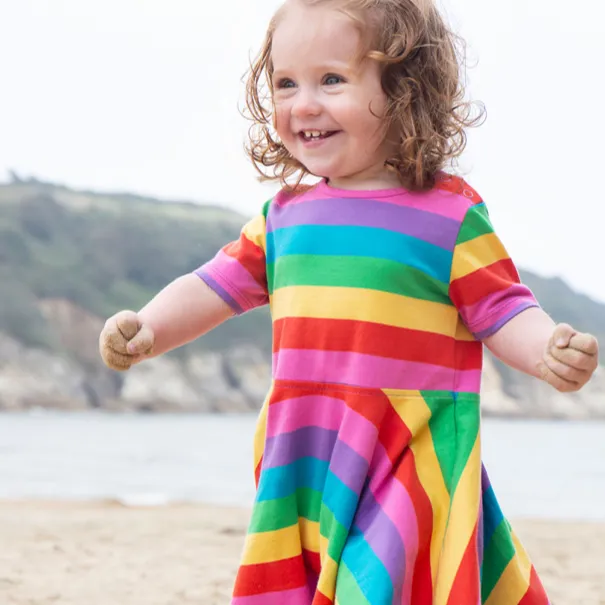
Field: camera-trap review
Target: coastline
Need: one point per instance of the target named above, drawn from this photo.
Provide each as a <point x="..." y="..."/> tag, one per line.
<point x="103" y="552"/>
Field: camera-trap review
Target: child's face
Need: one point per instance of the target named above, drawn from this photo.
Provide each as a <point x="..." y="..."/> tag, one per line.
<point x="321" y="87"/>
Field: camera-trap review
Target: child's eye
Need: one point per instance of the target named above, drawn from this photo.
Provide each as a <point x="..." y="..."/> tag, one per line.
<point x="285" y="83"/>
<point x="332" y="79"/>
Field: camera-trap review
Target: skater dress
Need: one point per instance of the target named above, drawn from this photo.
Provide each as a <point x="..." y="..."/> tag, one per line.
<point x="370" y="484"/>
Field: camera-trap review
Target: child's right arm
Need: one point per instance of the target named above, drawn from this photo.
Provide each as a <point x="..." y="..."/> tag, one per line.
<point x="184" y="310"/>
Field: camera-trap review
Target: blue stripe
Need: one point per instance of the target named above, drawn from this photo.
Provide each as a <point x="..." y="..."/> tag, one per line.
<point x="283" y="481"/>
<point x="492" y="515"/>
<point x="370" y="574"/>
<point x="340" y="499"/>
<point x="360" y="241"/>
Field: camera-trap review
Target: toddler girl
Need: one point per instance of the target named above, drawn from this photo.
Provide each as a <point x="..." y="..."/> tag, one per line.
<point x="384" y="281"/>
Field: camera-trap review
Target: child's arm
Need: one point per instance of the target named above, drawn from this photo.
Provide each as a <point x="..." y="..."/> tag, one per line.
<point x="178" y="314"/>
<point x="532" y="343"/>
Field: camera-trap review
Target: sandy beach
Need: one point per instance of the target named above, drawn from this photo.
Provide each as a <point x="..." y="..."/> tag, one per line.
<point x="106" y="553"/>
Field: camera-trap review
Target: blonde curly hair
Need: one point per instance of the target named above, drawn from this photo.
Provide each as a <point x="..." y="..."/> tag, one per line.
<point x="422" y="61"/>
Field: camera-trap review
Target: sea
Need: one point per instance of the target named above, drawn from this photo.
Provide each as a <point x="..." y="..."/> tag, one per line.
<point x="539" y="469"/>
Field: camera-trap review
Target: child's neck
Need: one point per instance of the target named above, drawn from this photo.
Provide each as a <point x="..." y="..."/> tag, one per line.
<point x="384" y="179"/>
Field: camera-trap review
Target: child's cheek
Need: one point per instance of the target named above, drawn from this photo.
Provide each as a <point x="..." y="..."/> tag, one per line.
<point x="281" y="122"/>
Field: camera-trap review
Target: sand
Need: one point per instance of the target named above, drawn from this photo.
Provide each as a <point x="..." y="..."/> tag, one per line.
<point x="105" y="553"/>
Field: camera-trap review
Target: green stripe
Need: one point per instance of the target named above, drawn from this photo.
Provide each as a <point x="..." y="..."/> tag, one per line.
<point x="466" y="422"/>
<point x="355" y="272"/>
<point x="334" y="532"/>
<point x="454" y="427"/>
<point x="476" y="223"/>
<point x="271" y="515"/>
<point x="497" y="555"/>
<point x="347" y="590"/>
<point x="444" y="442"/>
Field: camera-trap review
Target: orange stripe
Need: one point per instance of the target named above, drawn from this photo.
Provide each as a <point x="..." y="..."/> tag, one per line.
<point x="375" y="339"/>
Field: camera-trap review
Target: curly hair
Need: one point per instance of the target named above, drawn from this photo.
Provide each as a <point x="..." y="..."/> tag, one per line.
<point x="422" y="61"/>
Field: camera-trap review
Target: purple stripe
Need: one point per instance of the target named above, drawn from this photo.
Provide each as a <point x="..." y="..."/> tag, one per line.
<point x="321" y="444"/>
<point x="384" y="540"/>
<point x="349" y="466"/>
<point x="310" y="442"/>
<point x="489" y="330"/>
<point x="371" y="371"/>
<point x="427" y="226"/>
<point x="218" y="289"/>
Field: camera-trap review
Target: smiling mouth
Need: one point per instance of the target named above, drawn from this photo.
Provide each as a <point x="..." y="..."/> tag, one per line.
<point x="316" y="135"/>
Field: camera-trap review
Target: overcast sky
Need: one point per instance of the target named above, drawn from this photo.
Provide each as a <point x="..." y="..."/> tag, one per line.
<point x="143" y="95"/>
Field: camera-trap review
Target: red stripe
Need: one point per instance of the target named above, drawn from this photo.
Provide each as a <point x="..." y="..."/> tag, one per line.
<point x="355" y="398"/>
<point x="251" y="256"/>
<point x="535" y="595"/>
<point x="471" y="288"/>
<point x="454" y="184"/>
<point x="394" y="435"/>
<point x="257" y="470"/>
<point x="270" y="577"/>
<point x="312" y="560"/>
<point x="422" y="585"/>
<point x="320" y="599"/>
<point x="466" y="584"/>
<point x="375" y="339"/>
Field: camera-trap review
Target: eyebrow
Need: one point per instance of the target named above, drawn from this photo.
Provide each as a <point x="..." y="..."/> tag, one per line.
<point x="337" y="67"/>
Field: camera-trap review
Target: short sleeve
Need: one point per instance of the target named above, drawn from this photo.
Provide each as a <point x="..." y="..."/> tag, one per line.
<point x="485" y="286"/>
<point x="237" y="273"/>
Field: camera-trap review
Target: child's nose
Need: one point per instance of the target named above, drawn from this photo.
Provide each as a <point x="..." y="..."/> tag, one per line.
<point x="306" y="104"/>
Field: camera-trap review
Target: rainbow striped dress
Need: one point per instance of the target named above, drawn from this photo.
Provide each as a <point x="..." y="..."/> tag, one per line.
<point x="370" y="484"/>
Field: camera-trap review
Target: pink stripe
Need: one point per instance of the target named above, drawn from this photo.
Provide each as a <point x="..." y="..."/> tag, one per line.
<point x="327" y="413"/>
<point x="236" y="280"/>
<point x="439" y="202"/>
<point x="444" y="203"/>
<point x="397" y="505"/>
<point x="359" y="369"/>
<point x="301" y="412"/>
<point x="492" y="307"/>
<point x="361" y="435"/>
<point x="296" y="596"/>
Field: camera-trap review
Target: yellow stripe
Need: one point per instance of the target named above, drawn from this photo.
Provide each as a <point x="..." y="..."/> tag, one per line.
<point x="462" y="332"/>
<point x="364" y="305"/>
<point x="309" y="534"/>
<point x="270" y="546"/>
<point x="323" y="549"/>
<point x="255" y="231"/>
<point x="464" y="514"/>
<point x="327" y="578"/>
<point x="260" y="432"/>
<point x="476" y="254"/>
<point x="416" y="417"/>
<point x="514" y="581"/>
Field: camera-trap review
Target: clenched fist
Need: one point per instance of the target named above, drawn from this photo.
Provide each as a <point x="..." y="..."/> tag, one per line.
<point x="570" y="359"/>
<point x="125" y="340"/>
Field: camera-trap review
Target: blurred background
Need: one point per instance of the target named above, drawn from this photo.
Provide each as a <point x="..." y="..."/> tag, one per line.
<point x="122" y="166"/>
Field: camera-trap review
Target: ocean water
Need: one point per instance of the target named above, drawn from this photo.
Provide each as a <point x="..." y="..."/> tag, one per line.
<point x="538" y="468"/>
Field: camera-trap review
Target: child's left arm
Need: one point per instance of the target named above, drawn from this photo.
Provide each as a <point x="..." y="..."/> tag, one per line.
<point x="558" y="354"/>
<point x="503" y="313"/>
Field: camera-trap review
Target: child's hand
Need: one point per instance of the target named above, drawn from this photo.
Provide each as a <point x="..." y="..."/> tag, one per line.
<point x="570" y="359"/>
<point x="124" y="340"/>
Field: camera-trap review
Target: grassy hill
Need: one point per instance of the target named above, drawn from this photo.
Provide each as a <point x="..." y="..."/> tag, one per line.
<point x="108" y="252"/>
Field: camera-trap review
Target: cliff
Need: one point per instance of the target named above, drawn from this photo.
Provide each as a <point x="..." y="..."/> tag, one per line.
<point x="70" y="258"/>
